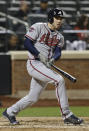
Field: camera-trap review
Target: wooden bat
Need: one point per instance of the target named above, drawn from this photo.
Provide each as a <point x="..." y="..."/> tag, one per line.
<point x="67" y="75"/>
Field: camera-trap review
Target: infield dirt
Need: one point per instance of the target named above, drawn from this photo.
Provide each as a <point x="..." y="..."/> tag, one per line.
<point x="42" y="124"/>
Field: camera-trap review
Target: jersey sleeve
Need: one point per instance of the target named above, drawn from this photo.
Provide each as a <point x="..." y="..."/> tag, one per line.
<point x="33" y="32"/>
<point x="61" y="41"/>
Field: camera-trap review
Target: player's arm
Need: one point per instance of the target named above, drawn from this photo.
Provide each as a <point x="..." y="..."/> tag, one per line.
<point x="56" y="56"/>
<point x="29" y="45"/>
<point x="57" y="53"/>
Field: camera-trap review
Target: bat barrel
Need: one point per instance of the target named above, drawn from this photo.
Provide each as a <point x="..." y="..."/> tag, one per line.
<point x="67" y="75"/>
<point x="73" y="79"/>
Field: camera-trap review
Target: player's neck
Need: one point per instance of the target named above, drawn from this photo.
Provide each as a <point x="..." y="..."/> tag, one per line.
<point x="51" y="27"/>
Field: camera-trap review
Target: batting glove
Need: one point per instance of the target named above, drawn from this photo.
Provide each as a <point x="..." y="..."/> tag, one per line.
<point x="42" y="58"/>
<point x="50" y="62"/>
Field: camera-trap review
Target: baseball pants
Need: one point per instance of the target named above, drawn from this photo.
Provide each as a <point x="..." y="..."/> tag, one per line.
<point x="41" y="76"/>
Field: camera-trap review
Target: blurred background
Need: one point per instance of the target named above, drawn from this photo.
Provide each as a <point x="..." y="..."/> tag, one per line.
<point x="16" y="16"/>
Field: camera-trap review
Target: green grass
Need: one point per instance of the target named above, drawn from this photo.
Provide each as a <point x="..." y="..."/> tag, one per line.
<point x="50" y="111"/>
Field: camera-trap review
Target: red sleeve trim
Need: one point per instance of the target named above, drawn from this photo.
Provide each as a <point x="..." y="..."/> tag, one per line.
<point x="29" y="37"/>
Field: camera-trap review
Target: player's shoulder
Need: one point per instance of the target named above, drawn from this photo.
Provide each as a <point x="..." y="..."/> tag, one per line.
<point x="38" y="24"/>
<point x="60" y="34"/>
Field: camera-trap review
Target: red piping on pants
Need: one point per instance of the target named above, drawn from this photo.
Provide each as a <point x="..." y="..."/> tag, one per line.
<point x="42" y="73"/>
<point x="59" y="102"/>
<point x="51" y="79"/>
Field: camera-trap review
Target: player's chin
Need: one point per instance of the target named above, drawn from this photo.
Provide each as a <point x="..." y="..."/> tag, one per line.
<point x="57" y="27"/>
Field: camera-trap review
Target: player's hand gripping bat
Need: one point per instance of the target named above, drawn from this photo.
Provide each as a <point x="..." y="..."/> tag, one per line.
<point x="67" y="75"/>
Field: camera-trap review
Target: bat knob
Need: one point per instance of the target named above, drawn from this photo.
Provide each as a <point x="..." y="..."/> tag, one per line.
<point x="74" y="80"/>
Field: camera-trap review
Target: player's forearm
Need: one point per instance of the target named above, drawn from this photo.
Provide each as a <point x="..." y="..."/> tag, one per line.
<point x="28" y="44"/>
<point x="57" y="53"/>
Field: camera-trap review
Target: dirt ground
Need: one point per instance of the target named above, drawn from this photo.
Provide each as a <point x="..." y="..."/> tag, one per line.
<point x="42" y="124"/>
<point x="6" y="101"/>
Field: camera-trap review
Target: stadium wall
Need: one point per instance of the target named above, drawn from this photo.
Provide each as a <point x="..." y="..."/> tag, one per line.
<point x="74" y="62"/>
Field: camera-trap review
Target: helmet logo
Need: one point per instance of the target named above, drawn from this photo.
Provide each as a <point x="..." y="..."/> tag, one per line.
<point x="54" y="13"/>
<point x="59" y="13"/>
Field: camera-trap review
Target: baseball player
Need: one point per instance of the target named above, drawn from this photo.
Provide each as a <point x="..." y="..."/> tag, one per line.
<point x="44" y="42"/>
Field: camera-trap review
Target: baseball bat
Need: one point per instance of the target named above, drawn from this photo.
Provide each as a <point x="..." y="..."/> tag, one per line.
<point x="67" y="75"/>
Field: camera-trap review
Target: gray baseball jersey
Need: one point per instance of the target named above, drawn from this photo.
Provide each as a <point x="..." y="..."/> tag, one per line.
<point x="45" y="42"/>
<point x="44" y="39"/>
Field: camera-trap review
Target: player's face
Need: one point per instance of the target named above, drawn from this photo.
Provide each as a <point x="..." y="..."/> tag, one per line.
<point x="57" y="22"/>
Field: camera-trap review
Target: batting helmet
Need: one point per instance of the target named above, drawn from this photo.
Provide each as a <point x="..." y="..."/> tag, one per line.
<point x="54" y="13"/>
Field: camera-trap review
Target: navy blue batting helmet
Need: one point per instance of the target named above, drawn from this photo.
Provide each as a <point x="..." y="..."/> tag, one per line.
<point x="54" y="13"/>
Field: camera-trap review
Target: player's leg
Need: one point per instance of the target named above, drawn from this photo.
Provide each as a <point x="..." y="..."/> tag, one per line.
<point x="41" y="72"/>
<point x="32" y="97"/>
<point x="61" y="94"/>
<point x="35" y="91"/>
<point x="47" y="75"/>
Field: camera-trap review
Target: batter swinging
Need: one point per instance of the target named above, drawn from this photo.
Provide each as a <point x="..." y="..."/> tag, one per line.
<point x="44" y="44"/>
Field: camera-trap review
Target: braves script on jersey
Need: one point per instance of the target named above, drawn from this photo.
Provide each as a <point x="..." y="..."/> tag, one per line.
<point x="44" y="39"/>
